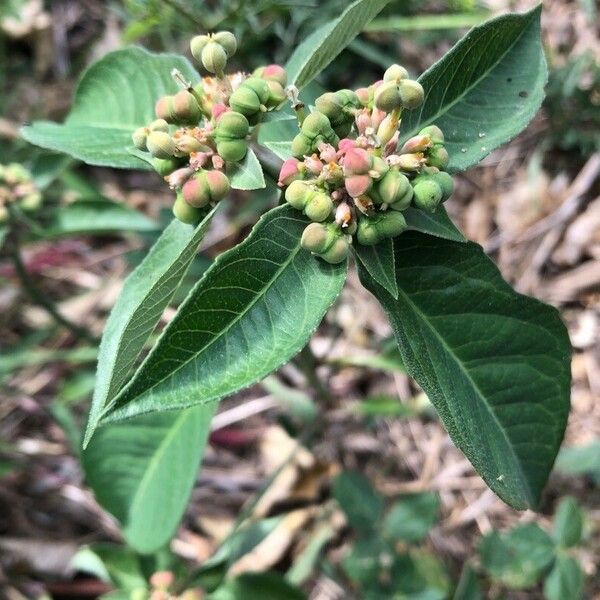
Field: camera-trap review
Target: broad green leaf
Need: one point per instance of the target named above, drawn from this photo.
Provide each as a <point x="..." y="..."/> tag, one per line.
<point x="247" y="175"/>
<point x="116" y="95"/>
<point x="144" y="296"/>
<point x="142" y="471"/>
<point x="257" y="586"/>
<point x="468" y="587"/>
<point x="281" y="149"/>
<point x="96" y="217"/>
<point x="363" y="563"/>
<point x="518" y="557"/>
<point x="361" y="503"/>
<point x="323" y="45"/>
<point x="485" y="90"/>
<point x="253" y="309"/>
<point x="420" y="575"/>
<point x="495" y="364"/>
<point x="411" y="517"/>
<point x="437" y="224"/>
<point x="565" y="581"/>
<point x="568" y="523"/>
<point x="379" y="262"/>
<point x="580" y="460"/>
<point x="427" y="22"/>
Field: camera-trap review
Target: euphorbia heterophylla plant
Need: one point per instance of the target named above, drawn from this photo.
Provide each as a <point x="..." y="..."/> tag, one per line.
<point x="363" y="175"/>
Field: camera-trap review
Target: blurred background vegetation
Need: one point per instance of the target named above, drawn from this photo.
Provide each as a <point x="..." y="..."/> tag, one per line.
<point x="535" y="207"/>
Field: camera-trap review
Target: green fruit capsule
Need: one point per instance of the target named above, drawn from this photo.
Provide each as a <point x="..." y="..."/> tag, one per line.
<point x="276" y="94"/>
<point x="317" y="124"/>
<point x="198" y="44"/>
<point x="214" y="58"/>
<point x="205" y="187"/>
<point x="232" y="150"/>
<point x="245" y="101"/>
<point x="395" y="73"/>
<point x="411" y="93"/>
<point x="338" y="252"/>
<point x="227" y="41"/>
<point x="231" y="125"/>
<point x="165" y="166"/>
<point x="186" y="213"/>
<point x="164" y="109"/>
<point x="404" y="201"/>
<point x="301" y="146"/>
<point x="318" y="207"/>
<point x="387" y="97"/>
<point x="446" y="182"/>
<point x="392" y="187"/>
<point x="185" y="108"/>
<point x="428" y="193"/>
<point x="438" y="157"/>
<point x="259" y="86"/>
<point x="298" y="194"/>
<point x="367" y="233"/>
<point x="391" y="224"/>
<point x="159" y="125"/>
<point x="434" y="133"/>
<point x="139" y="138"/>
<point x="161" y="145"/>
<point x="317" y="238"/>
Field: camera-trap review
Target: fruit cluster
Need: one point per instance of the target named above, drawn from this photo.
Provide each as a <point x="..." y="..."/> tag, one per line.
<point x="17" y="186"/>
<point x="350" y="177"/>
<point x="205" y="126"/>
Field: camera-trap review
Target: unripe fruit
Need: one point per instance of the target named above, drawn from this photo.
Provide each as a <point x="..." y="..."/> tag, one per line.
<point x="446" y="182"/>
<point x="301" y="145"/>
<point x="434" y="133"/>
<point x="139" y="138"/>
<point x="358" y="185"/>
<point x="387" y="97"/>
<point x="364" y="95"/>
<point x="259" y="86"/>
<point x="392" y="187"/>
<point x="316" y="124"/>
<point x="317" y="238"/>
<point x="411" y="93"/>
<point x="250" y="96"/>
<point x="186" y="213"/>
<point x="338" y="252"/>
<point x="164" y="108"/>
<point x="232" y="150"/>
<point x="161" y="145"/>
<point x="395" y="73"/>
<point x="198" y="44"/>
<point x="185" y="108"/>
<point x="276" y="94"/>
<point x="392" y="224"/>
<point x="387" y="129"/>
<point x="159" y="125"/>
<point x="372" y="230"/>
<point x="205" y="187"/>
<point x="366" y="232"/>
<point x="298" y="193"/>
<point x="438" y="157"/>
<point x="417" y="143"/>
<point x="214" y="58"/>
<point x="165" y="166"/>
<point x="231" y="125"/>
<point x="337" y="106"/>
<point x="428" y="193"/>
<point x="227" y="41"/>
<point x="272" y="73"/>
<point x="357" y="161"/>
<point x="403" y="202"/>
<point x="318" y="207"/>
<point x="31" y="201"/>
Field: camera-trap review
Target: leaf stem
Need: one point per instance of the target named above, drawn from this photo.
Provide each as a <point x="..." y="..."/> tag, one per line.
<point x="308" y="362"/>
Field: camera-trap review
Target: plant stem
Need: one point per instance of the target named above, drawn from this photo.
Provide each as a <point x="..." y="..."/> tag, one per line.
<point x="308" y="363"/>
<point x="270" y="162"/>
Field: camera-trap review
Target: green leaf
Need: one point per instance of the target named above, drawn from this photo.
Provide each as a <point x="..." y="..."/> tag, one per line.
<point x="495" y="364"/>
<point x="485" y="90"/>
<point x="568" y="523"/>
<point x="412" y="517"/>
<point x="247" y="175"/>
<point x="379" y="262"/>
<point x="565" y="580"/>
<point x="322" y="46"/>
<point x="257" y="586"/>
<point x="253" y="309"/>
<point x="580" y="460"/>
<point x="144" y="296"/>
<point x="96" y="217"/>
<point x="437" y="224"/>
<point x="116" y="95"/>
<point x="361" y="503"/>
<point x="281" y="149"/>
<point x="468" y="587"/>
<point x="517" y="558"/>
<point x="142" y="471"/>
<point x="363" y="564"/>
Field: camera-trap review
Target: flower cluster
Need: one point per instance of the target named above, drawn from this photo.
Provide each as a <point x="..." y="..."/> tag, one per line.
<point x="17" y="186"/>
<point x="205" y="126"/>
<point x="350" y="177"/>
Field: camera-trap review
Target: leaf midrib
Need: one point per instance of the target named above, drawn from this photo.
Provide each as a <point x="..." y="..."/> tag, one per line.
<point x="260" y="295"/>
<point x="461" y="367"/>
<point x="468" y="90"/>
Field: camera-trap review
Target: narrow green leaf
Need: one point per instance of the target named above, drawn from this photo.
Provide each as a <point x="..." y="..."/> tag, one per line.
<point x="411" y="24"/>
<point x="437" y="224"/>
<point x="322" y="46"/>
<point x="411" y="517"/>
<point x="116" y="95"/>
<point x="144" y="296"/>
<point x="485" y="90"/>
<point x="247" y="175"/>
<point x="257" y="586"/>
<point x="358" y="499"/>
<point x="254" y="308"/>
<point x="565" y="580"/>
<point x="568" y="523"/>
<point x="142" y="471"/>
<point x="495" y="364"/>
<point x="96" y="217"/>
<point x="518" y="557"/>
<point x="379" y="263"/>
<point x="468" y="587"/>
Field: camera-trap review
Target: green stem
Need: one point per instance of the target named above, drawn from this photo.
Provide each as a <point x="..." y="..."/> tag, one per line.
<point x="308" y="363"/>
<point x="270" y="162"/>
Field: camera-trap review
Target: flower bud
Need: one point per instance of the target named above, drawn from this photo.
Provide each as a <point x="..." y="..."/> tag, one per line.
<point x="161" y="145"/>
<point x="178" y="177"/>
<point x="418" y="143"/>
<point x="343" y="214"/>
<point x="395" y="73"/>
<point x="139" y="138"/>
<point x="357" y="161"/>
<point x="218" y="109"/>
<point x="387" y="97"/>
<point x="198" y="44"/>
<point x="298" y="193"/>
<point x="289" y="172"/>
<point x="165" y="166"/>
<point x="185" y="108"/>
<point x="313" y="165"/>
<point x="434" y="133"/>
<point x="214" y="58"/>
<point x="364" y="95"/>
<point x="318" y="207"/>
<point x="446" y="182"/>
<point x="162" y="580"/>
<point x="227" y="41"/>
<point x="411" y="93"/>
<point x="327" y="153"/>
<point x="357" y="185"/>
<point x="232" y="150"/>
<point x="363" y="121"/>
<point x="186" y="144"/>
<point x="409" y="162"/>
<point x="186" y="213"/>
<point x="428" y="193"/>
<point x="438" y="157"/>
<point x="387" y="129"/>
